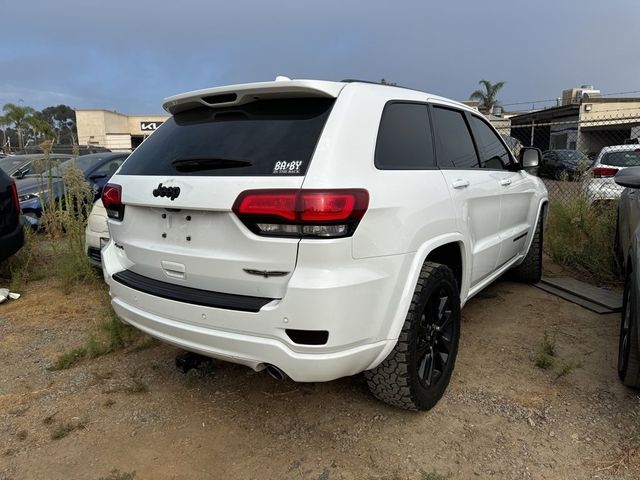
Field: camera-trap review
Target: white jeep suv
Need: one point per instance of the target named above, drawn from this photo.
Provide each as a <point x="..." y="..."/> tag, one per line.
<point x="320" y="229"/>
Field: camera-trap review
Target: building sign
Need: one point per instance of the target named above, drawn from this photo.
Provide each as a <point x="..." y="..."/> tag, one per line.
<point x="149" y="126"/>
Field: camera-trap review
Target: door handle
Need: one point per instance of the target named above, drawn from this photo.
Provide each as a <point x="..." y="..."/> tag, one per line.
<point x="460" y="183"/>
<point x="505" y="182"/>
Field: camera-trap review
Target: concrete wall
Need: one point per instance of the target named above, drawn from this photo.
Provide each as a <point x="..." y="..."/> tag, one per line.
<point x="91" y="126"/>
<point x="112" y="130"/>
<point x="118" y="143"/>
<point x="609" y="113"/>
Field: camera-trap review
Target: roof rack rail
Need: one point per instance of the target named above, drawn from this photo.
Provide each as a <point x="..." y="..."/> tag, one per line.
<point x="355" y="80"/>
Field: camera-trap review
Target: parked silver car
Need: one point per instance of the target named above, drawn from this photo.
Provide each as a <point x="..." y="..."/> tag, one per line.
<point x="609" y="162"/>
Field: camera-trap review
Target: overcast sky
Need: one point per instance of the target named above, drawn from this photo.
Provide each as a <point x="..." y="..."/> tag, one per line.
<point x="127" y="55"/>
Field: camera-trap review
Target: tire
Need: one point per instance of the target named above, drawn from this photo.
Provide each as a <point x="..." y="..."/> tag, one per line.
<point x="417" y="371"/>
<point x="530" y="270"/>
<point x="628" y="355"/>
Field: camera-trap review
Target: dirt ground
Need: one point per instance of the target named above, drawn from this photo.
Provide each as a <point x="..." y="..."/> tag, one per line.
<point x="132" y="414"/>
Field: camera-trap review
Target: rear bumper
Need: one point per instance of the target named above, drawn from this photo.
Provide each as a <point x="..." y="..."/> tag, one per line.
<point x="355" y="304"/>
<point x="11" y="243"/>
<point x="602" y="189"/>
<point x="252" y="351"/>
<point x="93" y="245"/>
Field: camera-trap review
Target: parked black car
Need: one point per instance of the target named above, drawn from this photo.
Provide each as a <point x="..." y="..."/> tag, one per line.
<point x="11" y="230"/>
<point x="35" y="189"/>
<point x="627" y="248"/>
<point x="556" y="163"/>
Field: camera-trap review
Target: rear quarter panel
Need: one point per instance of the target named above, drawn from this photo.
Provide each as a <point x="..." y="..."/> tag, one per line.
<point x="406" y="208"/>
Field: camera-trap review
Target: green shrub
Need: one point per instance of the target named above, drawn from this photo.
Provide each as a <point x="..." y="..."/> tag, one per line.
<point x="59" y="247"/>
<point x="580" y="235"/>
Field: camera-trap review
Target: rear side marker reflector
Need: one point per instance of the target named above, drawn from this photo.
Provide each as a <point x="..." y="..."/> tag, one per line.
<point x="308" y="337"/>
<point x="302" y="213"/>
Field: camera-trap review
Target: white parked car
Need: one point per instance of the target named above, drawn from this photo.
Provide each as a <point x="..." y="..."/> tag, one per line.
<point x="320" y="229"/>
<point x="96" y="233"/>
<point x="609" y="161"/>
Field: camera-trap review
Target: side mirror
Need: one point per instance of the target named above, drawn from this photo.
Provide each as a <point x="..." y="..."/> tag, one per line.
<point x="530" y="157"/>
<point x="21" y="173"/>
<point x="628" y="177"/>
<point x="98" y="176"/>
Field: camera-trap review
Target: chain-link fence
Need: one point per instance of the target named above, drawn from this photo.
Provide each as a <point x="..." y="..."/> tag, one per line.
<point x="580" y="156"/>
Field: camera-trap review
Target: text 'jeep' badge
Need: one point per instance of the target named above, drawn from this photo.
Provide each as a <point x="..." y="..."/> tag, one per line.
<point x="171" y="192"/>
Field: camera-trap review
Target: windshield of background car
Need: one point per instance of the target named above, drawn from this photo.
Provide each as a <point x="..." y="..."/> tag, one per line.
<point x="265" y="137"/>
<point x="83" y="163"/>
<point x="59" y="165"/>
<point x="10" y="163"/>
<point x="629" y="158"/>
<point x="571" y="156"/>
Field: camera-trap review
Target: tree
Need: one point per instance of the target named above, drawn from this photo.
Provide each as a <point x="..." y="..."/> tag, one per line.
<point x="41" y="128"/>
<point x="4" y="123"/>
<point x="17" y="116"/>
<point x="487" y="96"/>
<point x="387" y="82"/>
<point x="62" y="119"/>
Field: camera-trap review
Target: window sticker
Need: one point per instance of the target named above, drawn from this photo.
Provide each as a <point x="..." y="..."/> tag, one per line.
<point x="288" y="168"/>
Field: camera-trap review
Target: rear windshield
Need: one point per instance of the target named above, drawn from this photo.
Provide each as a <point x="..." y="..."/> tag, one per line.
<point x="265" y="137"/>
<point x="629" y="158"/>
<point x="571" y="156"/>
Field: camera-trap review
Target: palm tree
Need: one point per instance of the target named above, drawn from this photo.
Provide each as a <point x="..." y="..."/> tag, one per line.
<point x="41" y="127"/>
<point x="487" y="95"/>
<point x="19" y="117"/>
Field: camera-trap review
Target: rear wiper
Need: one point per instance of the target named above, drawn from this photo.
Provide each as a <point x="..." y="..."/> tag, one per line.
<point x="198" y="164"/>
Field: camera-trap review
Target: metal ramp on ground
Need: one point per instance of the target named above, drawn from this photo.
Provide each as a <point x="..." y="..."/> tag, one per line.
<point x="596" y="299"/>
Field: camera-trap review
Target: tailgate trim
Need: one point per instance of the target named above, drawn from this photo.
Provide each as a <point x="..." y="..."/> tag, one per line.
<point x="195" y="296"/>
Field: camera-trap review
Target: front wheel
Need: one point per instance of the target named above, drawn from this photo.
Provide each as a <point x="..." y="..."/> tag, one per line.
<point x="417" y="371"/>
<point x="628" y="355"/>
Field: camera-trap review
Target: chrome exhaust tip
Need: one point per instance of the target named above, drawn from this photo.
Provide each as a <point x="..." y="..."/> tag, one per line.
<point x="275" y="372"/>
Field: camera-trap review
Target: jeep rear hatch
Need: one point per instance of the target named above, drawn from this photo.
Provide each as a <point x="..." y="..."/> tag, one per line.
<point x="178" y="189"/>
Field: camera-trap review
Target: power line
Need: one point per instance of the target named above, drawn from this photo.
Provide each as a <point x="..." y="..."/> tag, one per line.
<point x="555" y="99"/>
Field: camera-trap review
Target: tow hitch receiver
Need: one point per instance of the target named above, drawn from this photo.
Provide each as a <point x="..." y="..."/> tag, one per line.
<point x="189" y="361"/>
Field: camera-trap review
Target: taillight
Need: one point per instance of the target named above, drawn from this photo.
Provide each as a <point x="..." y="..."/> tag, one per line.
<point x="14" y="196"/>
<point x="112" y="201"/>
<point x="601" y="172"/>
<point x="302" y="213"/>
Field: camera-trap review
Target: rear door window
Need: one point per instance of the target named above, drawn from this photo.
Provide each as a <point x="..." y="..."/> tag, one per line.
<point x="454" y="146"/>
<point x="404" y="138"/>
<point x="493" y="153"/>
<point x="109" y="168"/>
<point x="265" y="137"/>
<point x="628" y="158"/>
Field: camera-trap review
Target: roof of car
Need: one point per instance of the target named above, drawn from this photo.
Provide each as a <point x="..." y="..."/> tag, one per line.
<point x="31" y="156"/>
<point x="105" y="155"/>
<point x="243" y="93"/>
<point x="618" y="148"/>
